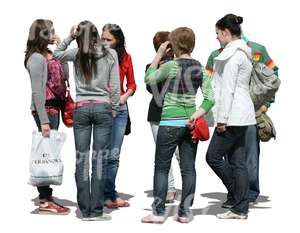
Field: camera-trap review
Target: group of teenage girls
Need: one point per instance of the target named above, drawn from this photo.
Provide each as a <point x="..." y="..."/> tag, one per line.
<point x="104" y="81"/>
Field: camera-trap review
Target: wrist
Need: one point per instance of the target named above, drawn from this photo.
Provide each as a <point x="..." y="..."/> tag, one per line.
<point x="159" y="57"/>
<point x="70" y="38"/>
<point x="128" y="93"/>
<point x="125" y="95"/>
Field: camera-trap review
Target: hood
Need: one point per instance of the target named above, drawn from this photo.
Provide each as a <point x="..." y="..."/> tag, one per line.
<point x="232" y="47"/>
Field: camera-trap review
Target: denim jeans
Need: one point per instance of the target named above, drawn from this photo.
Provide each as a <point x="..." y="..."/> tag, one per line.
<point x="252" y="157"/>
<point x="97" y="119"/>
<point x="168" y="138"/>
<point x="117" y="136"/>
<point x="232" y="171"/>
<point x="171" y="180"/>
<point x="45" y="192"/>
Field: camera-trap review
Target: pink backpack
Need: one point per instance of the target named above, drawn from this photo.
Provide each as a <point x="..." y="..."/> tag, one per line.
<point x="55" y="87"/>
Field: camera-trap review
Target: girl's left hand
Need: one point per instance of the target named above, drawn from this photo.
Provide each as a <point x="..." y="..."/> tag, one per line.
<point x="190" y="123"/>
<point x="74" y="32"/>
<point x="123" y="99"/>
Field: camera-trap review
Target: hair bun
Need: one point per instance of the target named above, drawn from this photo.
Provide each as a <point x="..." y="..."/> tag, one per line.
<point x="239" y="19"/>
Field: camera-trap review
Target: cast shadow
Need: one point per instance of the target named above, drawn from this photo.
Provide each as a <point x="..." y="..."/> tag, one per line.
<point x="123" y="196"/>
<point x="214" y="207"/>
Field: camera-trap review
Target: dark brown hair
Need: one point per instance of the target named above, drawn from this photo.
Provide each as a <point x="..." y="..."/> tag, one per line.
<point x="38" y="39"/>
<point x="159" y="38"/>
<point x="182" y="40"/>
<point x="87" y="38"/>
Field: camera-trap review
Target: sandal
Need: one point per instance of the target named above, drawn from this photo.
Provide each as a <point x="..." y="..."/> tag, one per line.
<point x="121" y="203"/>
<point x="110" y="204"/>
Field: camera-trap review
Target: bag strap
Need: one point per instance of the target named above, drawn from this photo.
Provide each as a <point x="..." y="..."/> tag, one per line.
<point x="67" y="84"/>
<point x="68" y="89"/>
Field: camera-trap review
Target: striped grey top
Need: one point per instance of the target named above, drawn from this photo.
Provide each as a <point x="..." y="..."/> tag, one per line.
<point x="105" y="83"/>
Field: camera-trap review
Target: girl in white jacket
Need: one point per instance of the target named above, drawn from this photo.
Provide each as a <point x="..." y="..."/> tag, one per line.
<point x="234" y="112"/>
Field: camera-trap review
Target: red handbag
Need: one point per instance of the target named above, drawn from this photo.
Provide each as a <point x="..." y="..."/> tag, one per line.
<point x="69" y="107"/>
<point x="201" y="130"/>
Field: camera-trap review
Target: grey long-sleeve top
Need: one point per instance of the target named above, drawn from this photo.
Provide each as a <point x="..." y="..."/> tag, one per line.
<point x="38" y="72"/>
<point x="105" y="83"/>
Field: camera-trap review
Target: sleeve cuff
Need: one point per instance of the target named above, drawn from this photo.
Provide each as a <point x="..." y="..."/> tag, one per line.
<point x="150" y="70"/>
<point x="222" y="119"/>
<point x="68" y="40"/>
<point x="207" y="105"/>
<point x="131" y="88"/>
<point x="44" y="119"/>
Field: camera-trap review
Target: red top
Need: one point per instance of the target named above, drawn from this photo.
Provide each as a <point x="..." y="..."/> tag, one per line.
<point x="126" y="69"/>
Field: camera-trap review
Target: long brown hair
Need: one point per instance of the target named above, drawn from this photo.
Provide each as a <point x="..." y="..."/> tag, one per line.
<point x="118" y="34"/>
<point x="87" y="38"/>
<point x="38" y="39"/>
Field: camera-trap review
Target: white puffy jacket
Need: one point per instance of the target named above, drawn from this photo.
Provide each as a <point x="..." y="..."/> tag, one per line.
<point x="231" y="77"/>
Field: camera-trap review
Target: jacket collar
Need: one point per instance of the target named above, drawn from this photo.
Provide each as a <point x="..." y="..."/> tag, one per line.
<point x="231" y="48"/>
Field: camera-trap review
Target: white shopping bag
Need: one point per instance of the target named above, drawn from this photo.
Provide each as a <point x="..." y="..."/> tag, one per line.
<point x="46" y="166"/>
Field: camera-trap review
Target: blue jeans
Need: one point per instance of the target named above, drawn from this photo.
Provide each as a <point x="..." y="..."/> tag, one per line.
<point x="252" y="157"/>
<point x="232" y="171"/>
<point x="117" y="136"/>
<point x="171" y="180"/>
<point x="168" y="138"/>
<point x="45" y="192"/>
<point x="96" y="118"/>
